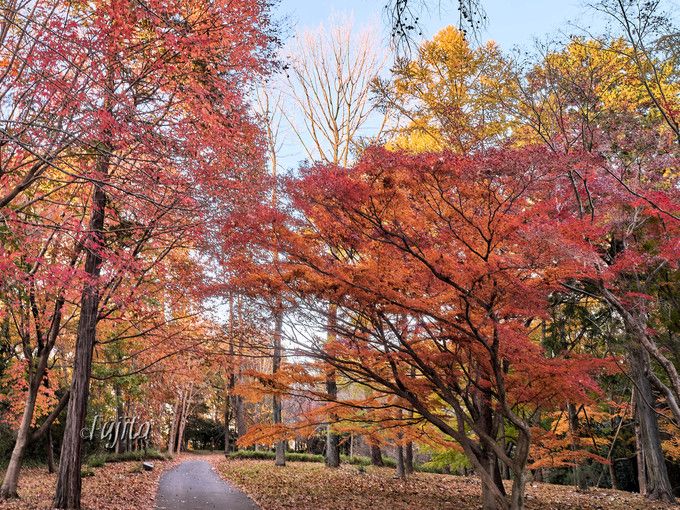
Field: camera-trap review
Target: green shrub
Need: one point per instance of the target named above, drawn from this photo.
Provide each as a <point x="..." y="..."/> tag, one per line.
<point x="442" y="460"/>
<point x="427" y="467"/>
<point x="252" y="455"/>
<point x="269" y="455"/>
<point x="304" y="457"/>
<point x="355" y="460"/>
<point x="358" y="460"/>
<point x="97" y="460"/>
<point x="136" y="456"/>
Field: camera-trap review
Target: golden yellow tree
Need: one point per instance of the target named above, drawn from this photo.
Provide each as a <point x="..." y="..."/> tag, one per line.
<point x="448" y="96"/>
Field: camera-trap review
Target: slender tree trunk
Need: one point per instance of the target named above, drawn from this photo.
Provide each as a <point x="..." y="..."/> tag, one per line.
<point x="401" y="469"/>
<point x="612" y="474"/>
<point x="332" y="439"/>
<point x="640" y="458"/>
<point x="408" y="448"/>
<point x="9" y="485"/>
<point x="639" y="451"/>
<point x="505" y="471"/>
<point x="10" y="481"/>
<point x="518" y="489"/>
<point x="408" y="457"/>
<point x="227" y="419"/>
<point x="487" y="456"/>
<point x="239" y="404"/>
<point x="188" y="396"/>
<point x="519" y="469"/>
<point x="120" y="414"/>
<point x="579" y="478"/>
<point x="276" y="398"/>
<point x="280" y="459"/>
<point x="241" y="424"/>
<point x="172" y="437"/>
<point x="231" y="398"/>
<point x="658" y="486"/>
<point x="69" y="481"/>
<point x="376" y="456"/>
<point x="50" y="451"/>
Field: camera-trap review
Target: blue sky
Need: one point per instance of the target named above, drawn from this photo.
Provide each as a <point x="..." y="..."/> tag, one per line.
<point x="510" y="22"/>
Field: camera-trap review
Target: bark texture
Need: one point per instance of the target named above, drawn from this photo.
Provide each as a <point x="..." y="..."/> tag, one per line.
<point x="69" y="482"/>
<point x="280" y="459"/>
<point x="657" y="484"/>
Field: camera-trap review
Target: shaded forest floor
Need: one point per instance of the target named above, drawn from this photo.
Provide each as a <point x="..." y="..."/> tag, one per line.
<point x="310" y="486"/>
<point x="116" y="486"/>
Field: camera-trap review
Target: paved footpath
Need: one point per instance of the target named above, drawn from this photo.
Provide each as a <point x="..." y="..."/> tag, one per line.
<point x="193" y="485"/>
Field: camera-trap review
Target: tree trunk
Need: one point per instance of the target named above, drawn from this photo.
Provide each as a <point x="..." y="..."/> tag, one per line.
<point x="50" y="451"/>
<point x="276" y="398"/>
<point x="493" y="492"/>
<point x="408" y="457"/>
<point x="487" y="456"/>
<point x="639" y="452"/>
<point x="493" y="498"/>
<point x="579" y="478"/>
<point x="9" y="484"/>
<point x="518" y="488"/>
<point x="612" y="474"/>
<point x="658" y="486"/>
<point x="69" y="481"/>
<point x="505" y="471"/>
<point x="172" y="437"/>
<point x="401" y="470"/>
<point x="239" y="403"/>
<point x="231" y="398"/>
<point x="186" y="404"/>
<point x="376" y="456"/>
<point x="518" y="468"/>
<point x="241" y="424"/>
<point x="120" y="414"/>
<point x="227" y="419"/>
<point x="490" y="498"/>
<point x="332" y="439"/>
<point x="24" y="437"/>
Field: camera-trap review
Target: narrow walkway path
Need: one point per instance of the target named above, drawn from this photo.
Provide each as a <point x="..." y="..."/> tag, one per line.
<point x="193" y="485"/>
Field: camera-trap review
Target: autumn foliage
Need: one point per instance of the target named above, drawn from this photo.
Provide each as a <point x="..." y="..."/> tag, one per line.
<point x="490" y="279"/>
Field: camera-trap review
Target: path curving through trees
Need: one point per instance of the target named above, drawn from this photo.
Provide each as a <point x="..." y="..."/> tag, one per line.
<point x="193" y="485"/>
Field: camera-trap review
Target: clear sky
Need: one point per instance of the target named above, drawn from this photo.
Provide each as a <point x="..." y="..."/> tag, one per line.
<point x="510" y="22"/>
